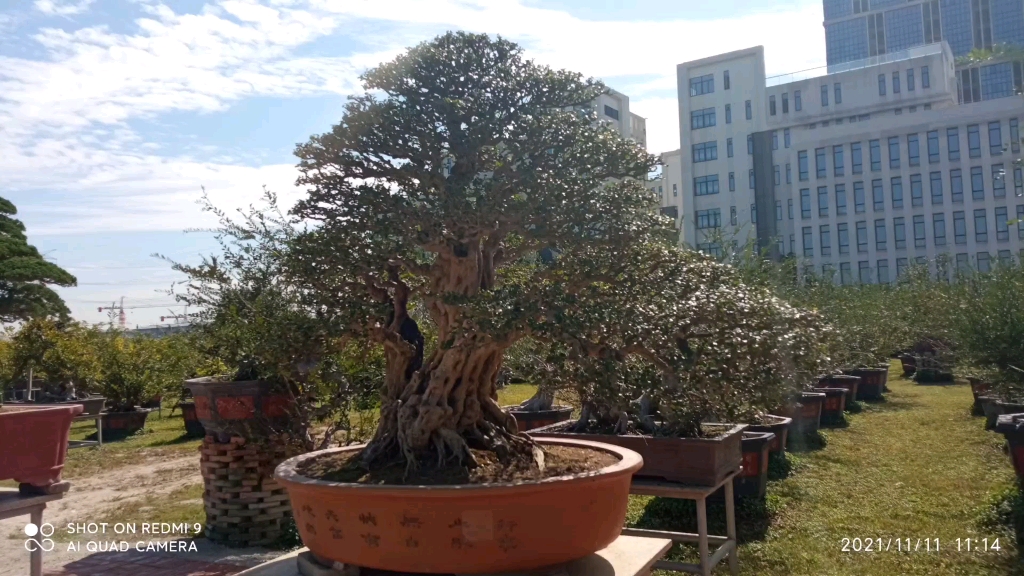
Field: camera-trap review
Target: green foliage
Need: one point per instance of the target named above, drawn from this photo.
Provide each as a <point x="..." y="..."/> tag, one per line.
<point x="58" y="353"/>
<point x="24" y="274"/>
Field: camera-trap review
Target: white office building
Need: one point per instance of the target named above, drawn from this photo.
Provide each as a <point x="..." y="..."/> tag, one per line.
<point x="613" y="108"/>
<point x="859" y="169"/>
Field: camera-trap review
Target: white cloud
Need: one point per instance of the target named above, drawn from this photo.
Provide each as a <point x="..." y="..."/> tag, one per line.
<point x="65" y="143"/>
<point x="63" y="7"/>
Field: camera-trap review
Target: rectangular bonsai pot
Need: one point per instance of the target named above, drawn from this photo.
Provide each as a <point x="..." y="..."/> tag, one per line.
<point x="779" y="426"/>
<point x="692" y="461"/>
<point x="35" y="442"/>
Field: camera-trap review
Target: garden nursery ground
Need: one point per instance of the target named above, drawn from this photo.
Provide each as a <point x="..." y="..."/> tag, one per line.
<point x="916" y="468"/>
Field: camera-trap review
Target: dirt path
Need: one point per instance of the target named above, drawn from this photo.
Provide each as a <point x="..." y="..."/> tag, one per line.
<point x="90" y="497"/>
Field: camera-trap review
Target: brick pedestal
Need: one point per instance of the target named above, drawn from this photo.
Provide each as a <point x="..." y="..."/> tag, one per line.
<point x="245" y="506"/>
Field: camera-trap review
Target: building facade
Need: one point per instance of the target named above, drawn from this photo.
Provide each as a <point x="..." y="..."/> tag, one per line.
<point x="858" y="172"/>
<point x="613" y="108"/>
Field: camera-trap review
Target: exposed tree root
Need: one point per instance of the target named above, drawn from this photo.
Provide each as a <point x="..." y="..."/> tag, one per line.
<point x="542" y="400"/>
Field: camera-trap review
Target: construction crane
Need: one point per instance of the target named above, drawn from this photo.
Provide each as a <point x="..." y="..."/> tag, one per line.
<point x="120" y="316"/>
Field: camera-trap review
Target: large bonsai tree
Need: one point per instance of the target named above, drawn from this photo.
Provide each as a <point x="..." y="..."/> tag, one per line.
<point x="24" y="274"/>
<point x="436" y="193"/>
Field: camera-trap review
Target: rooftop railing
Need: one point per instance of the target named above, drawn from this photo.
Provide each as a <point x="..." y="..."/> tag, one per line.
<point x="906" y="54"/>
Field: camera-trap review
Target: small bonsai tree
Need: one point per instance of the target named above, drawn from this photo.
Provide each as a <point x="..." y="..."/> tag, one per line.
<point x="63" y="354"/>
<point x="437" y="191"/>
<point x="132" y="370"/>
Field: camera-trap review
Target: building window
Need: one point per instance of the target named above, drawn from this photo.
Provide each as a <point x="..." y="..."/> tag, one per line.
<point x="1005" y="258"/>
<point x="839" y="93"/>
<point x="824" y="94"/>
<point x="875" y="148"/>
<point x="750" y="177"/>
<point x="956" y="186"/>
<point x="728" y="113"/>
<point x="883" y="271"/>
<point x="880" y="235"/>
<point x="1018" y="182"/>
<point x="894" y="153"/>
<point x="981" y="18"/>
<point x="881" y="84"/>
<point x="901" y="267"/>
<point x="703" y="118"/>
<point x="732" y="215"/>
<point x="897" y="191"/>
<point x="876" y="34"/>
<point x="825" y="238"/>
<point x="753" y="213"/>
<point x="798" y="104"/>
<point x="808" y="241"/>
<point x="953" y="143"/>
<point x="857" y="158"/>
<point x="611" y="112"/>
<point x="959" y="228"/>
<point x="728" y="147"/>
<point x="792" y="244"/>
<point x="843" y="233"/>
<point x="845" y="275"/>
<point x="823" y="201"/>
<point x="702" y="85"/>
<point x="819" y="163"/>
<point x="864" y="272"/>
<point x="974" y="141"/>
<point x="913" y="150"/>
<point x="705" y="185"/>
<point x="750" y="110"/>
<point x="1002" y="225"/>
<point x="919" y="239"/>
<point x="802" y="166"/>
<point x="771" y="105"/>
<point x="984" y="265"/>
<point x="939" y="229"/>
<point x="785" y="102"/>
<point x="980" y="226"/>
<point x="936" y="188"/>
<point x="725" y="80"/>
<point x="789" y="208"/>
<point x="995" y="138"/>
<point x="1020" y="221"/>
<point x="926" y="81"/>
<point x="675" y="191"/>
<point x="840" y="199"/>
<point x="896" y="82"/>
<point x="933" y="147"/>
<point x="858" y="197"/>
<point x="775" y="140"/>
<point x="709" y="219"/>
<point x="862" y="237"/>
<point x="805" y="203"/>
<point x="789" y="173"/>
<point x="899" y="232"/>
<point x="878" y="195"/>
<point x="705" y="152"/>
<point x="732" y="181"/>
<point x="977" y="183"/>
<point x="1014" y="136"/>
<point x="778" y="177"/>
<point x="916" y="190"/>
<point x="837" y="160"/>
<point x="998" y="181"/>
<point x="750" y="144"/>
<point x="910" y="80"/>
<point x="898" y="111"/>
<point x="778" y="210"/>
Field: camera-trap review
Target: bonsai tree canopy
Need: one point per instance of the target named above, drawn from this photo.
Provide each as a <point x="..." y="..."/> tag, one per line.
<point x="24" y="274"/>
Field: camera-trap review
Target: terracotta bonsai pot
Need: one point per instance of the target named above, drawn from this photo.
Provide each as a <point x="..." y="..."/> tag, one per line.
<point x="752" y="481"/>
<point x="193" y="427"/>
<point x="527" y="420"/>
<point x="35" y="442"/>
<point x="1012" y="427"/>
<point x="125" y="422"/>
<point x="807" y="412"/>
<point x="467" y="529"/>
<point x="153" y="402"/>
<point x="990" y="409"/>
<point x="872" y="382"/>
<point x="849" y="383"/>
<point x="250" y="408"/>
<point x="834" y="405"/>
<point x="777" y="425"/>
<point x="693" y="461"/>
<point x="909" y="364"/>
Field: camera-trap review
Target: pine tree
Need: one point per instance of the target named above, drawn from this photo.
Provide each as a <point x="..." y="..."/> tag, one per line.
<point x="24" y="274"/>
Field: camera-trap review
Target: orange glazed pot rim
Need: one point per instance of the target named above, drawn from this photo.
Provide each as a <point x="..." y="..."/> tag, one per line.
<point x="629" y="462"/>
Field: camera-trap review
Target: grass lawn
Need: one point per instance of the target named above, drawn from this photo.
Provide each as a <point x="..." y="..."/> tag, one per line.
<point x="915" y="466"/>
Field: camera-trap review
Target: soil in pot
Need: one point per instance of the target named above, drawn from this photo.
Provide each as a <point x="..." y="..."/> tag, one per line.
<point x="777" y="425"/>
<point x="834" y="405"/>
<point x="462" y="523"/>
<point x="531" y="419"/>
<point x="703" y="461"/>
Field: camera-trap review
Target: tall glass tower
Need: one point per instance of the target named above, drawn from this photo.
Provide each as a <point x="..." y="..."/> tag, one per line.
<point x="858" y="29"/>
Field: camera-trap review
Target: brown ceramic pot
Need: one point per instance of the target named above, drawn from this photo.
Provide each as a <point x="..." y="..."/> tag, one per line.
<point x="193" y="427"/>
<point x="777" y="425"/>
<point x="467" y="529"/>
<point x="806" y="412"/>
<point x="850" y="383"/>
<point x="1012" y="427"/>
<point x="834" y="405"/>
<point x="909" y="364"/>
<point x="249" y="408"/>
<point x="529" y="420"/>
<point x="872" y="382"/>
<point x="990" y="408"/>
<point x="978" y="388"/>
<point x="693" y="461"/>
<point x="125" y="422"/>
<point x="752" y="480"/>
<point x="35" y="442"/>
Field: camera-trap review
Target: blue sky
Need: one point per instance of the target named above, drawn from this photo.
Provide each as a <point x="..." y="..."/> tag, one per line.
<point x="114" y="113"/>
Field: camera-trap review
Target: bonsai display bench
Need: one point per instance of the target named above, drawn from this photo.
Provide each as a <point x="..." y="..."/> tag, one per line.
<point x="699" y="494"/>
<point x="13" y="503"/>
<point x="98" y="420"/>
<point x="626" y="556"/>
